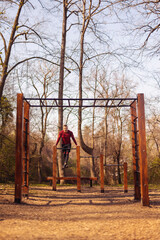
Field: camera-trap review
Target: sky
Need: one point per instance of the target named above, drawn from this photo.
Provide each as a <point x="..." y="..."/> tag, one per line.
<point x="119" y="38"/>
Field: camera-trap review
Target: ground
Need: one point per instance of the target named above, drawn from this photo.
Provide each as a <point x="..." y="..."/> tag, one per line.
<point x="89" y="215"/>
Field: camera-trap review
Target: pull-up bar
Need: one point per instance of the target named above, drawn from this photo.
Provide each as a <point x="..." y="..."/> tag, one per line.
<point x="84" y="102"/>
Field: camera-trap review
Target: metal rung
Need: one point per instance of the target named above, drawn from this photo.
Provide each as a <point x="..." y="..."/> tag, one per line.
<point x="27" y="120"/>
<point x="26" y="132"/>
<point x="67" y="148"/>
<point x="109" y="165"/>
<point x="136" y="131"/>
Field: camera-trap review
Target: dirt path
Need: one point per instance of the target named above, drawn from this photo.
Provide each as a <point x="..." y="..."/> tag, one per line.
<point x="66" y="214"/>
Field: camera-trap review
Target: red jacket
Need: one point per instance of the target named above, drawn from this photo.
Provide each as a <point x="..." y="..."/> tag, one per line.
<point x="66" y="137"/>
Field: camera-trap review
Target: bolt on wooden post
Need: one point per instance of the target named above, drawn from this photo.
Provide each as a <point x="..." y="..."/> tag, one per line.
<point x="143" y="151"/>
<point x="102" y="173"/>
<point x="54" y="168"/>
<point x="18" y="164"/>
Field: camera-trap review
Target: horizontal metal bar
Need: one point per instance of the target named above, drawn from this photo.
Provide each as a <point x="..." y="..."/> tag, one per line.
<point x="73" y="178"/>
<point x="82" y="99"/>
<point x="89" y="157"/>
<point x="109" y="165"/>
<point x="84" y="106"/>
<point x="67" y="148"/>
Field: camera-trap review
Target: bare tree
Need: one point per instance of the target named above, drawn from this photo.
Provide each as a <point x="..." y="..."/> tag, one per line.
<point x="88" y="11"/>
<point x="43" y="82"/>
<point x="61" y="80"/>
<point x="7" y="49"/>
<point x="19" y="30"/>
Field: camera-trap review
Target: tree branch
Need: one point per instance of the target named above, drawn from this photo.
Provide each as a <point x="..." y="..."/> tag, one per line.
<point x="4" y="41"/>
<point x="42" y="58"/>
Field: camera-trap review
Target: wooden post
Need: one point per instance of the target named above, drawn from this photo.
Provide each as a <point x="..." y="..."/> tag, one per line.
<point x="25" y="180"/>
<point x="78" y="169"/>
<point x="136" y="173"/>
<point x="125" y="178"/>
<point x="143" y="151"/>
<point x="102" y="173"/>
<point x="54" y="168"/>
<point x="18" y="165"/>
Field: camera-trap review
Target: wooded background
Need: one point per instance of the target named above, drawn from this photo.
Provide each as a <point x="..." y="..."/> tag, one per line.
<point x="80" y="49"/>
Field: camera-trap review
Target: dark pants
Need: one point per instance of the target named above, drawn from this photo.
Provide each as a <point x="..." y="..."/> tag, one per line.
<point x="66" y="149"/>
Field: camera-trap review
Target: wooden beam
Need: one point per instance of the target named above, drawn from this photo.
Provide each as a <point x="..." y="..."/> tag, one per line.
<point x="25" y="180"/>
<point x="143" y="151"/>
<point x="54" y="168"/>
<point x="18" y="165"/>
<point x="136" y="173"/>
<point x="78" y="169"/>
<point x="102" y="173"/>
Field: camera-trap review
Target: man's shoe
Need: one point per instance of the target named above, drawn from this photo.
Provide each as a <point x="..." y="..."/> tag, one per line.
<point x="65" y="166"/>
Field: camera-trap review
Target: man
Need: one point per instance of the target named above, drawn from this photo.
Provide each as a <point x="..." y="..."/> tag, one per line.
<point x="66" y="136"/>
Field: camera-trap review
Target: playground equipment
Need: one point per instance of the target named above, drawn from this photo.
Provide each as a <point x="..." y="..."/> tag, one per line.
<point x="78" y="178"/>
<point x="138" y="138"/>
<point x="125" y="174"/>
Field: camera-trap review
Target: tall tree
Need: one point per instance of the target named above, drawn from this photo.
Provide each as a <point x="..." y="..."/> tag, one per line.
<point x="7" y="49"/>
<point x="88" y="10"/>
<point x="61" y="80"/>
<point x="20" y="33"/>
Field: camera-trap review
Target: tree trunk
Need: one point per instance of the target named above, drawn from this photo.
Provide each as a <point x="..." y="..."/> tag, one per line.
<point x="8" y="50"/>
<point x="92" y="161"/>
<point x="118" y="167"/>
<point x="87" y="149"/>
<point x="40" y="161"/>
<point x="61" y="79"/>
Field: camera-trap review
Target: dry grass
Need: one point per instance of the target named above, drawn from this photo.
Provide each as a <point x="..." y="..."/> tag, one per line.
<point x="67" y="214"/>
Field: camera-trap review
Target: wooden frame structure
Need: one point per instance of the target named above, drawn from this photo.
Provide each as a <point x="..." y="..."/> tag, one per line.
<point x="78" y="178"/>
<point x="138" y="139"/>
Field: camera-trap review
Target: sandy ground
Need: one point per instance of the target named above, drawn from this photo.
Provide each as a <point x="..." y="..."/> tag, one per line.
<point x="67" y="214"/>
